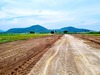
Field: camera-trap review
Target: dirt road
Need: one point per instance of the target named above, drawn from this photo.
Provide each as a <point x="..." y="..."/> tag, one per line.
<point x="69" y="56"/>
<point x="92" y="40"/>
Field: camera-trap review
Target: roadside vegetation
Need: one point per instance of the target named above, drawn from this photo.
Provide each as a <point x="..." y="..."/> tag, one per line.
<point x="8" y="37"/>
<point x="86" y="33"/>
<point x="93" y="33"/>
<point x="14" y="37"/>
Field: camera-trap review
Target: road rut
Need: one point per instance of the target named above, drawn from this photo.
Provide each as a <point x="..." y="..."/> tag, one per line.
<point x="19" y="57"/>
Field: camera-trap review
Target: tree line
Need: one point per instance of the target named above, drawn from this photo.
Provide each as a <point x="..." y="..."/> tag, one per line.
<point x="52" y="32"/>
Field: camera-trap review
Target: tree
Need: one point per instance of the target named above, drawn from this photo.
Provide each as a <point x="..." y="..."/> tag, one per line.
<point x="65" y="32"/>
<point x="52" y="32"/>
<point x="32" y="32"/>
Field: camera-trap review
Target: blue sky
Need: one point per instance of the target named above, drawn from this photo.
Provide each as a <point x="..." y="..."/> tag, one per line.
<point x="51" y="14"/>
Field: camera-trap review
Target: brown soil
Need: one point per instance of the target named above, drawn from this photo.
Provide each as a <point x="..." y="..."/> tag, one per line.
<point x="69" y="56"/>
<point x="92" y="40"/>
<point x="19" y="57"/>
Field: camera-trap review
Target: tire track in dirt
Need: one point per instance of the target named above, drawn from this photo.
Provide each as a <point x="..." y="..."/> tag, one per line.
<point x="57" y="61"/>
<point x="50" y="59"/>
<point x="86" y="57"/>
<point x="69" y="56"/>
<point x="24" y="56"/>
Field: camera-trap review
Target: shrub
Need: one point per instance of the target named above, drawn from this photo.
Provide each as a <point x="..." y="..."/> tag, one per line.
<point x="52" y="32"/>
<point x="65" y="32"/>
<point x="32" y="32"/>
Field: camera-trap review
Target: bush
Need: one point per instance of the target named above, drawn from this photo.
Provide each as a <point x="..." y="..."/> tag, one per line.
<point x="32" y="32"/>
<point x="52" y="32"/>
<point x="65" y="32"/>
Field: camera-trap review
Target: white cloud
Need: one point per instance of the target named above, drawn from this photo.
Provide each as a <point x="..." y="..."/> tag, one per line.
<point x="20" y="13"/>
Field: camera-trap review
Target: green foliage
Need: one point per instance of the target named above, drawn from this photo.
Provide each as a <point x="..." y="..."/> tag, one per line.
<point x="32" y="32"/>
<point x="93" y="33"/>
<point x="52" y="32"/>
<point x="13" y="37"/>
<point x="65" y="32"/>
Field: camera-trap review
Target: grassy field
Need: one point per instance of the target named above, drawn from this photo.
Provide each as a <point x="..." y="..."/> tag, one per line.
<point x="94" y="34"/>
<point x="14" y="37"/>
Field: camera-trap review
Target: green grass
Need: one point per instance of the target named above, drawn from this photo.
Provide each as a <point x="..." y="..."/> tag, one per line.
<point x="14" y="37"/>
<point x="93" y="34"/>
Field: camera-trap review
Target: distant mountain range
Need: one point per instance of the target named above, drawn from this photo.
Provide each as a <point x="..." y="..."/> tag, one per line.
<point x="1" y="31"/>
<point x="73" y="29"/>
<point x="35" y="28"/>
<point x="39" y="28"/>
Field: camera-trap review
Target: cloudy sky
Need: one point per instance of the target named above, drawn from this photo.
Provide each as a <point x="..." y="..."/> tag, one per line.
<point x="51" y="14"/>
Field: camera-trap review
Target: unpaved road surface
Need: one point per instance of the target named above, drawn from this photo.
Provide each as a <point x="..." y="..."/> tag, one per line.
<point x="19" y="57"/>
<point x="69" y="56"/>
<point x="90" y="39"/>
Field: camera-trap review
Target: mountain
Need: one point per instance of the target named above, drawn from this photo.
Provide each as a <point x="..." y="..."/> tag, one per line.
<point x="35" y="28"/>
<point x="38" y="29"/>
<point x="1" y="31"/>
<point x="73" y="29"/>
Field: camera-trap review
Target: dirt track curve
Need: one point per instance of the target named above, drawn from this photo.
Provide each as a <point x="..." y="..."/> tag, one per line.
<point x="69" y="56"/>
